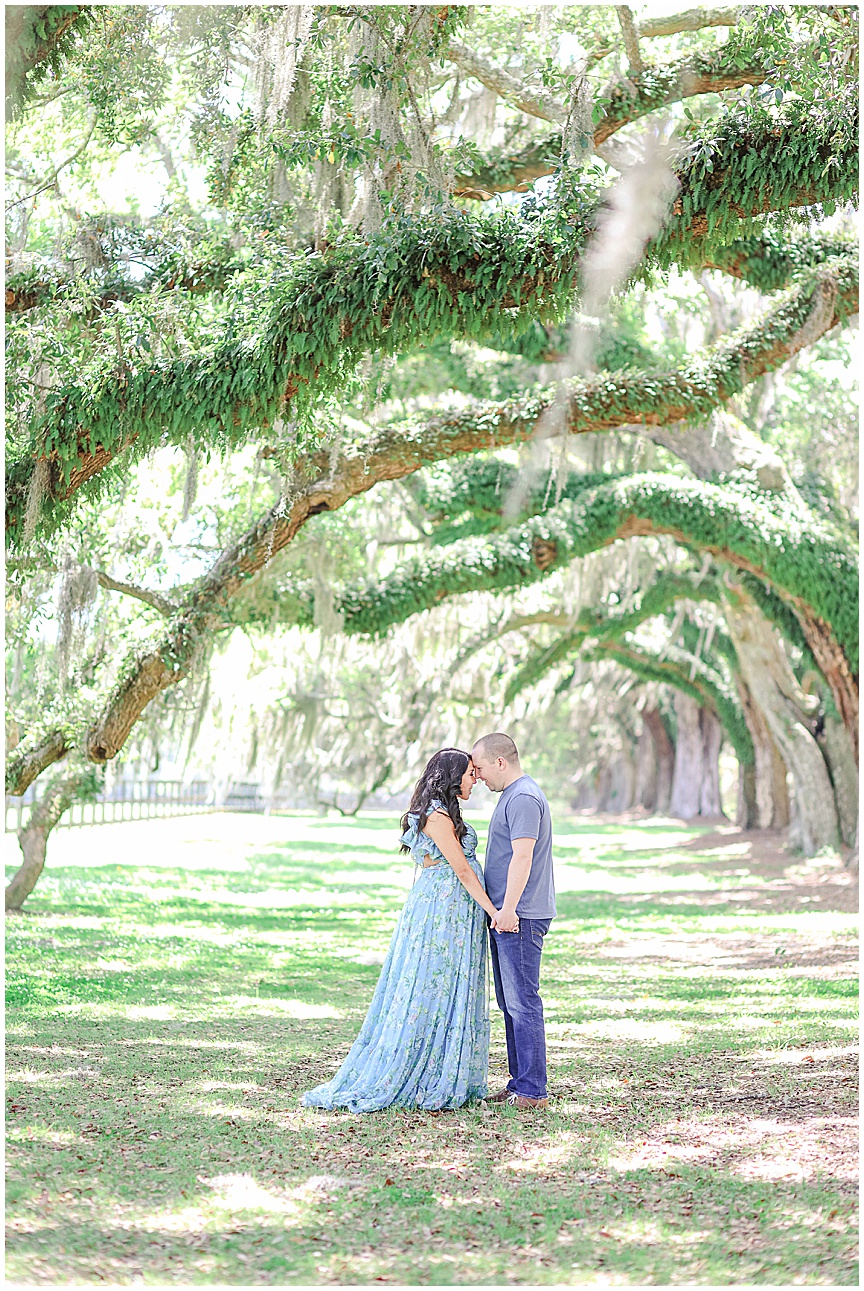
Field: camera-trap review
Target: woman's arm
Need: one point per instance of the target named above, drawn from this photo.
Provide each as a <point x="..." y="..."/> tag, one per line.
<point x="442" y="831"/>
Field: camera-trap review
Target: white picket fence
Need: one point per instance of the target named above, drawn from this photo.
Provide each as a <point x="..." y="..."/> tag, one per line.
<point x="127" y="800"/>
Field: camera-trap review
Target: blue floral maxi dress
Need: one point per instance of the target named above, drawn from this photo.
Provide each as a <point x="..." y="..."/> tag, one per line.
<point x="425" y="1040"/>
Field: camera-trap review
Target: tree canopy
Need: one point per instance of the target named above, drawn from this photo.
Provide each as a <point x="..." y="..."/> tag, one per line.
<point x="547" y="285"/>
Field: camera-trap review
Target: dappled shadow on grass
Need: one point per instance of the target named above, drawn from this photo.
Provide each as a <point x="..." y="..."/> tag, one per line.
<point x="360" y="1232"/>
<point x="778" y="899"/>
<point x="617" y="827"/>
<point x="462" y="1197"/>
<point x="699" y="1056"/>
<point x="283" y="853"/>
<point x="169" y="988"/>
<point x="700" y="902"/>
<point x="185" y="1153"/>
<point x="377" y="914"/>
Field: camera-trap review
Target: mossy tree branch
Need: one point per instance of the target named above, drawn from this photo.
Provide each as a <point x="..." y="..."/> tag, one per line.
<point x="610" y="625"/>
<point x="153" y="599"/>
<point x="692" y="677"/>
<point x="318" y="485"/>
<point x="699" y="515"/>
<point x="47" y="284"/>
<point x="655" y="600"/>
<point x="807" y="566"/>
<point x="420" y="279"/>
<point x="804" y="562"/>
<point x="630" y="32"/>
<point x="690" y="20"/>
<point x="31" y="757"/>
<point x="767" y="259"/>
<point x="37" y="38"/>
<point x="534" y="102"/>
<point x="622" y="103"/>
<point x="596" y="635"/>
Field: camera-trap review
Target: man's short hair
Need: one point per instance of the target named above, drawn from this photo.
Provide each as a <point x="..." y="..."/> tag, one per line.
<point x="498" y="745"/>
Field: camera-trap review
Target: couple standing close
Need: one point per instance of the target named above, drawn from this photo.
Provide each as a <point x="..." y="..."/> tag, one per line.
<point x="425" y="1040"/>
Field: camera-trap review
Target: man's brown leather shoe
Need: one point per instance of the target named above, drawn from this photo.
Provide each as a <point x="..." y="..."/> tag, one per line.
<point x="523" y="1102"/>
<point x="500" y="1097"/>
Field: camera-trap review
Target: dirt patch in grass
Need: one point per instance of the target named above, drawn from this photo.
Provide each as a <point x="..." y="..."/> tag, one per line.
<point x="785" y="881"/>
<point x="740" y="952"/>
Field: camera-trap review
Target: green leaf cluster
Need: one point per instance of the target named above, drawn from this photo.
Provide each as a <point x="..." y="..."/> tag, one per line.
<point x="803" y="560"/>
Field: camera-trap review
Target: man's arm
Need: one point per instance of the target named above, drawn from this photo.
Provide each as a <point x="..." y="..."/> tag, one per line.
<point x="518" y="874"/>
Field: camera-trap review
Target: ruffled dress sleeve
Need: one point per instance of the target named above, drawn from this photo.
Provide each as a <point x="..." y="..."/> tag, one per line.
<point x="420" y="844"/>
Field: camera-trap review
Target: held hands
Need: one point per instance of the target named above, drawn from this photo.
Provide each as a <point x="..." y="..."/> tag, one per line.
<point x="505" y="921"/>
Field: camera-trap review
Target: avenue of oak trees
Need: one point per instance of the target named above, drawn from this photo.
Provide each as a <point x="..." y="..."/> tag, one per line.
<point x="360" y="224"/>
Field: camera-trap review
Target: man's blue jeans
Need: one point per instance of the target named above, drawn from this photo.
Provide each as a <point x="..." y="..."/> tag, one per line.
<point x="516" y="972"/>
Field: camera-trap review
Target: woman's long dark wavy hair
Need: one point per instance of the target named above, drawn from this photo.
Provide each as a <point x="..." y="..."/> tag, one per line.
<point x="441" y="779"/>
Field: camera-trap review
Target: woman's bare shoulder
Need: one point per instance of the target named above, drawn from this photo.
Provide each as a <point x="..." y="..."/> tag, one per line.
<point x="440" y="816"/>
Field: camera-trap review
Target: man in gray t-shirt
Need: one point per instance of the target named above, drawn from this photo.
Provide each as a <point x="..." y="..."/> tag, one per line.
<point x="518" y="873"/>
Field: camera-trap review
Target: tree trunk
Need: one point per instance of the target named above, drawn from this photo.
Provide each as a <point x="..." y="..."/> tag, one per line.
<point x="646" y="770"/>
<point x="747" y="809"/>
<point x="763" y="785"/>
<point x="709" y="789"/>
<point x="664" y="754"/>
<point x="586" y="792"/>
<point x="620" y="779"/>
<point x="835" y="669"/>
<point x="852" y="859"/>
<point x="687" y="779"/>
<point x="696" y="780"/>
<point x="840" y="756"/>
<point x="603" y="785"/>
<point x="768" y="675"/>
<point x="59" y="794"/>
<point x="727" y="445"/>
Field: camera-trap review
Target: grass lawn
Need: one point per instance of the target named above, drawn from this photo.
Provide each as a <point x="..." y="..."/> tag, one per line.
<point x="176" y="984"/>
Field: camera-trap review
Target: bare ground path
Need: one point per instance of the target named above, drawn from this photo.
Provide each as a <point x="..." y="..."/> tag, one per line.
<point x="177" y="984"/>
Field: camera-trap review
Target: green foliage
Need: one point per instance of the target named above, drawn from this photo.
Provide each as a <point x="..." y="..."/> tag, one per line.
<point x="810" y="52"/>
<point x="738" y="154"/>
<point x="471" y="497"/>
<point x="38" y="39"/>
<point x="793" y="551"/>
<point x="125" y="73"/>
<point x="449" y="365"/>
<point x="615" y="350"/>
<point x="177" y="253"/>
<point x="694" y="678"/>
<point x="421" y="278"/>
<point x="229" y="332"/>
<point x="608" y="634"/>
<point x="660" y="83"/>
<point x="812" y="422"/>
<point x="769" y="258"/>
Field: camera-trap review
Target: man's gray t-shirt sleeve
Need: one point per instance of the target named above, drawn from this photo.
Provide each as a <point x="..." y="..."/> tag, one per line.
<point x="523" y="816"/>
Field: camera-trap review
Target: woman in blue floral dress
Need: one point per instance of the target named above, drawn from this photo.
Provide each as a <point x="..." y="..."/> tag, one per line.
<point x="425" y="1040"/>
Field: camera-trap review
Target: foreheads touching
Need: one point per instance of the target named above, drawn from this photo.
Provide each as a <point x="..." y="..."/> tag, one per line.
<point x="496" y="760"/>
